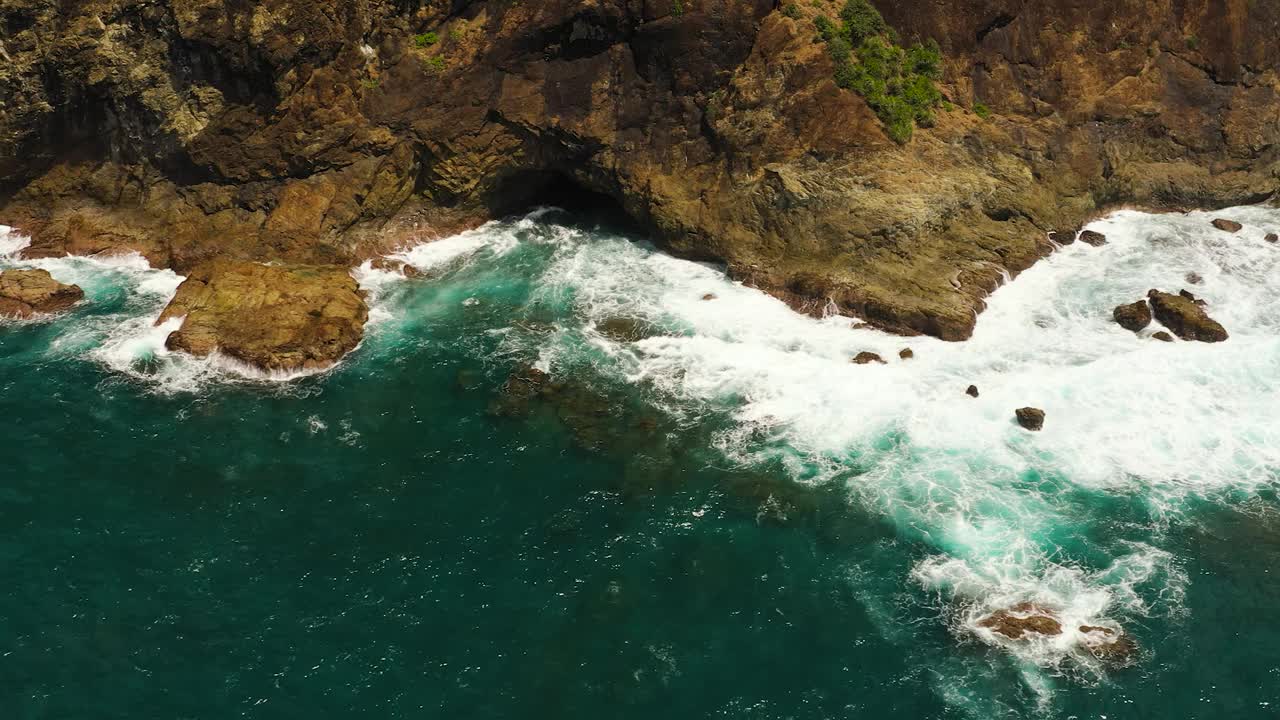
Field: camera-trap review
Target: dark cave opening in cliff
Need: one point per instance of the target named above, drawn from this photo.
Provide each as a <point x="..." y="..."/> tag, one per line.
<point x="529" y="190"/>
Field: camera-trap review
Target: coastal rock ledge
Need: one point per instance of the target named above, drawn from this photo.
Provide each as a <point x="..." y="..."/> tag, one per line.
<point x="24" y="293"/>
<point x="278" y="318"/>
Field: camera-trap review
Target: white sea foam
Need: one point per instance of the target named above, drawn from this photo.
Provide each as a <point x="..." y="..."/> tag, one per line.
<point x="1127" y="416"/>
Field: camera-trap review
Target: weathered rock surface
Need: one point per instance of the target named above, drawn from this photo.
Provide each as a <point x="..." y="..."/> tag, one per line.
<point x="906" y="354"/>
<point x="1021" y="620"/>
<point x="1230" y="226"/>
<point x="1185" y="317"/>
<point x="319" y="132"/>
<point x="1030" y="418"/>
<point x="24" y="293"/>
<point x="277" y="318"/>
<point x="867" y="358"/>
<point x="1133" y="317"/>
<point x="1111" y="646"/>
<point x="1162" y="336"/>
<point x="1093" y="237"/>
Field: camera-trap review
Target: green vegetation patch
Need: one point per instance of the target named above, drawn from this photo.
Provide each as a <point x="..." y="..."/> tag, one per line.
<point x="898" y="83"/>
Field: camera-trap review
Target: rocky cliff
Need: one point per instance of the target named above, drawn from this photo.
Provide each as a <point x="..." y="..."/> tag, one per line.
<point x="323" y="132"/>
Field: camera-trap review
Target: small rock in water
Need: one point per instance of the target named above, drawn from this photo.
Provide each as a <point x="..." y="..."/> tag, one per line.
<point x="1187" y="294"/>
<point x="1230" y="226"/>
<point x="906" y="354"/>
<point x="1063" y="238"/>
<point x="1133" y="317"/>
<point x="1185" y="317"/>
<point x="1020" y="620"/>
<point x="866" y="358"/>
<point x="1194" y="278"/>
<point x="1272" y="237"/>
<point x="625" y="329"/>
<point x="1108" y="645"/>
<point x="1030" y="418"/>
<point x="1162" y="336"/>
<point x="972" y="391"/>
<point x="1091" y="237"/>
<point x="709" y="296"/>
<point x="24" y="293"/>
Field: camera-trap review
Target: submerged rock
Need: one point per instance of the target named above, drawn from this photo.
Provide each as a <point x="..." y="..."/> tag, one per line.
<point x="1185" y="317"/>
<point x="625" y="329"/>
<point x="972" y="391"/>
<point x="273" y="317"/>
<point x="1272" y="237"/>
<point x="1030" y="418"/>
<point x="1230" y="226"/>
<point x="1134" y="316"/>
<point x="1094" y="238"/>
<point x="1107" y="644"/>
<point x="866" y="358"/>
<point x="1194" y="278"/>
<point x="24" y="293"/>
<point x="1021" y="620"/>
<point x="709" y="296"/>
<point x="1064" y="237"/>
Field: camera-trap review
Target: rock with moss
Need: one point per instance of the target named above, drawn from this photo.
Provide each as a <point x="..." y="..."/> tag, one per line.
<point x="27" y="293"/>
<point x="1185" y="317"/>
<point x="281" y="318"/>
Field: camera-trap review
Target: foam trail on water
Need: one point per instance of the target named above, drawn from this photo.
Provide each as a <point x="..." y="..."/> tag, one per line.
<point x="1128" y="417"/>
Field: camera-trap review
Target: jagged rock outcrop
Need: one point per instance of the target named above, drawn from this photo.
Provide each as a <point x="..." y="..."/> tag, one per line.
<point x="1185" y="317"/>
<point x="276" y="318"/>
<point x="323" y="132"/>
<point x="1133" y="317"/>
<point x="1030" y="418"/>
<point x="24" y="293"/>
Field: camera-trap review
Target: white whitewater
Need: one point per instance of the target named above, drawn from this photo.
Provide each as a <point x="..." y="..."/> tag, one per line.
<point x="1128" y="416"/>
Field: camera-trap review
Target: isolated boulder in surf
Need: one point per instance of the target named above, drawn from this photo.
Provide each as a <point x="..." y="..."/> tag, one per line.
<point x="24" y="293"/>
<point x="1230" y="226"/>
<point x="1021" y="620"/>
<point x="1272" y="238"/>
<point x="1030" y="418"/>
<point x="1185" y="317"/>
<point x="867" y="358"/>
<point x="1134" y="316"/>
<point x="273" y="317"/>
<point x="1162" y="336"/>
<point x="972" y="391"/>
<point x="626" y="329"/>
<point x="1107" y="644"/>
<point x="1066" y="237"/>
<point x="1094" y="238"/>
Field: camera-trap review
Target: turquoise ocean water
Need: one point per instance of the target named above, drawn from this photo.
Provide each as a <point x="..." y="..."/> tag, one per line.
<point x="713" y="513"/>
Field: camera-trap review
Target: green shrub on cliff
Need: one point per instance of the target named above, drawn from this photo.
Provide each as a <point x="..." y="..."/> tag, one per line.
<point x="897" y="83"/>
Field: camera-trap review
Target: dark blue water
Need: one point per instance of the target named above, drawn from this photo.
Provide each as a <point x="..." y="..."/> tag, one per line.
<point x="408" y="536"/>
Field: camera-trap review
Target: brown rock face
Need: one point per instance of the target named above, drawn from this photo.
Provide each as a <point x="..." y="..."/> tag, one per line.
<point x="1185" y="317"/>
<point x="1030" y="418"/>
<point x="24" y="293"/>
<point x="1091" y="237"/>
<point x="1133" y="317"/>
<point x="906" y="354"/>
<point x="282" y="318"/>
<point x="866" y="358"/>
<point x="1111" y="646"/>
<point x="1230" y="226"/>
<point x="1021" y="620"/>
<point x="1162" y="336"/>
<point x="319" y="132"/>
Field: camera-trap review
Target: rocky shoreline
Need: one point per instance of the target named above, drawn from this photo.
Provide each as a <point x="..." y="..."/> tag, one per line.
<point x="326" y="133"/>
